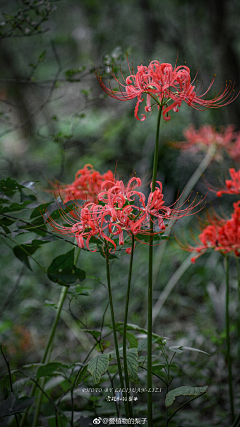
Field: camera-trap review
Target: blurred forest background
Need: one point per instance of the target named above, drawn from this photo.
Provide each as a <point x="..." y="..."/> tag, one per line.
<point x="55" y="118"/>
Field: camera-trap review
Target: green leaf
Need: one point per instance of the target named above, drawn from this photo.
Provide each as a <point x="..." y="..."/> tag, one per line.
<point x="181" y="348"/>
<point x="143" y="344"/>
<point x="39" y="210"/>
<point x="15" y="207"/>
<point x="22" y="252"/>
<point x="98" y="366"/>
<point x="132" y="362"/>
<point x="184" y="391"/>
<point x="157" y="369"/>
<point x="130" y="337"/>
<point x="5" y="223"/>
<point x="63" y="271"/>
<point x="9" y="186"/>
<point x="47" y="369"/>
<point x="12" y="406"/>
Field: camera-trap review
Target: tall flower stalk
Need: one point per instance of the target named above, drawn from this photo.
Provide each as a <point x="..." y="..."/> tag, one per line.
<point x="229" y="360"/>
<point x="115" y="330"/>
<point x="125" y="333"/>
<point x="150" y="277"/>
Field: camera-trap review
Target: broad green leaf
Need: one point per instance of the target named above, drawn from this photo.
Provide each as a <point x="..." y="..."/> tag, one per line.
<point x="181" y="348"/>
<point x="39" y="210"/>
<point x="9" y="186"/>
<point x="98" y="366"/>
<point x="63" y="271"/>
<point x="23" y="251"/>
<point x="143" y="344"/>
<point x="15" y="207"/>
<point x="157" y="369"/>
<point x="132" y="362"/>
<point x="12" y="406"/>
<point x="132" y="340"/>
<point x="47" y="369"/>
<point x="130" y="337"/>
<point x="184" y="391"/>
<point x="5" y="223"/>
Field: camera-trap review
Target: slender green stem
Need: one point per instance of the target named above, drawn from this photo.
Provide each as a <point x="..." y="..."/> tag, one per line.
<point x="236" y="422"/>
<point x="150" y="279"/>
<point x="230" y="385"/>
<point x="115" y="331"/>
<point x="185" y="403"/>
<point x="24" y="250"/>
<point x="125" y="333"/>
<point x="10" y="380"/>
<point x="238" y="283"/>
<point x="47" y="352"/>
<point x="44" y="358"/>
<point x="155" y="159"/>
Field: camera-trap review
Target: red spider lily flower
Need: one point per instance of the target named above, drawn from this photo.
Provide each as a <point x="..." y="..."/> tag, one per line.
<point x="119" y="209"/>
<point x="220" y="235"/>
<point x="201" y="139"/>
<point x="232" y="185"/>
<point x="86" y="185"/>
<point x="167" y="86"/>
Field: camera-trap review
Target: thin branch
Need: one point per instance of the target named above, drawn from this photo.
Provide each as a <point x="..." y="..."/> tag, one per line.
<point x="45" y="394"/>
<point x="20" y="246"/>
<point x="190" y="400"/>
<point x="10" y="379"/>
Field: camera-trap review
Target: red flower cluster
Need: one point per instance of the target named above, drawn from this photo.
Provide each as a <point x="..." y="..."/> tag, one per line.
<point x="232" y="185"/>
<point x="86" y="185"/>
<point x="201" y="139"/>
<point x="221" y="235"/>
<point x="168" y="87"/>
<point x="119" y="208"/>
